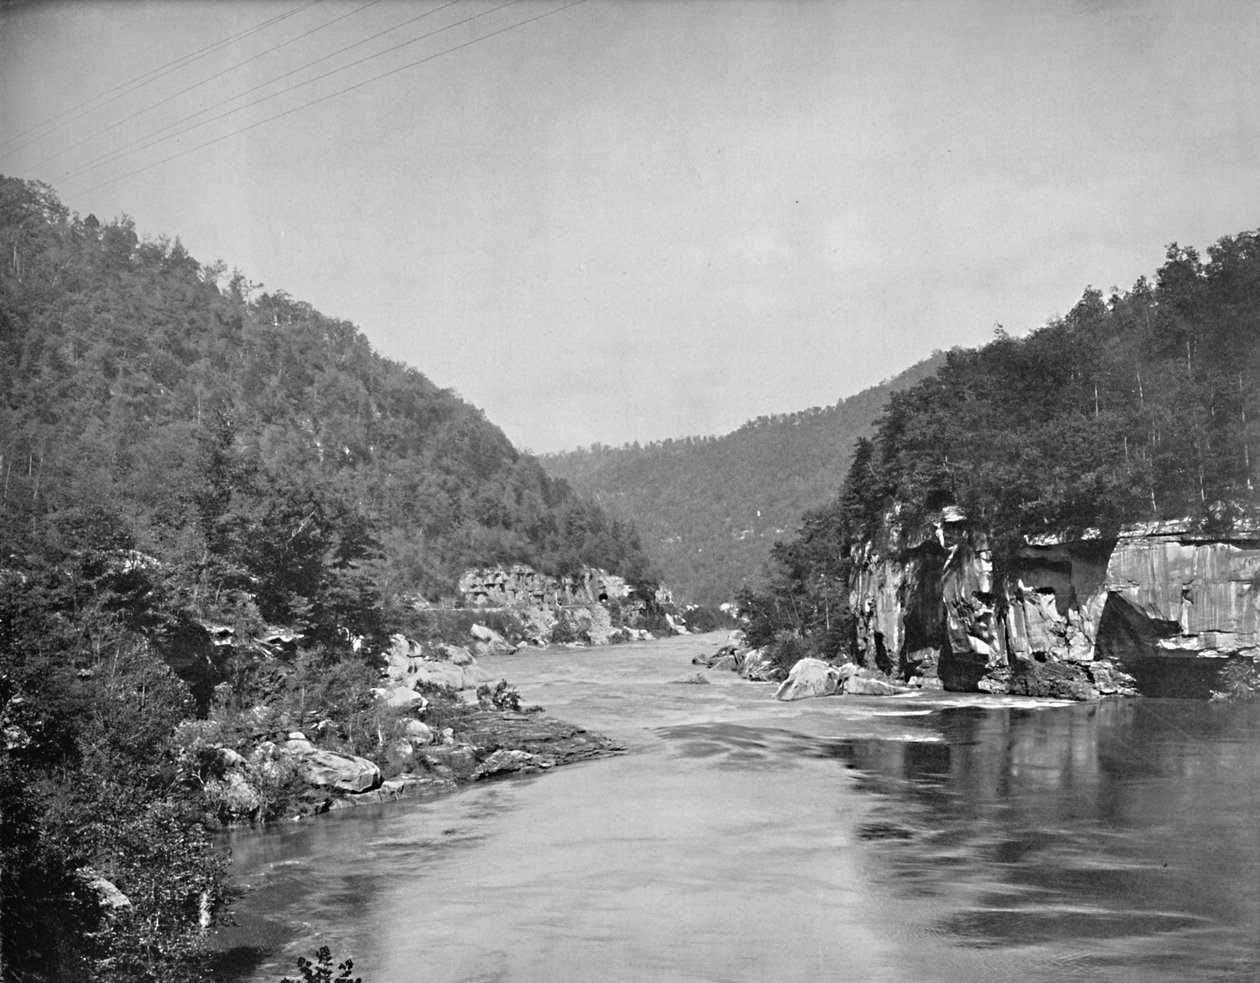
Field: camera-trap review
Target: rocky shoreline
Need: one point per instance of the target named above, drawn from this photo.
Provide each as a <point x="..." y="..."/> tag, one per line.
<point x="437" y="721"/>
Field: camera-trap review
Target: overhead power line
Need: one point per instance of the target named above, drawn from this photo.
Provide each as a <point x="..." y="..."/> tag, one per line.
<point x="333" y="95"/>
<point x="196" y="85"/>
<point x="140" y="81"/>
<point x="148" y="141"/>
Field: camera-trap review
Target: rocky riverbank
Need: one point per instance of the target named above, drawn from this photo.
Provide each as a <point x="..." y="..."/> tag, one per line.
<point x="436" y="721"/>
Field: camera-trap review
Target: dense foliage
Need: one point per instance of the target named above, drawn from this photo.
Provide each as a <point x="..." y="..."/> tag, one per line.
<point x="709" y="507"/>
<point x="214" y="502"/>
<point x="1143" y="405"/>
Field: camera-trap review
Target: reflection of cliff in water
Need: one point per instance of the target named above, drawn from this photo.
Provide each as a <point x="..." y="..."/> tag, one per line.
<point x="1105" y="823"/>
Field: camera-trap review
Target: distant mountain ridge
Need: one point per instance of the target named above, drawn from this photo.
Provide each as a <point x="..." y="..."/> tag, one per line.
<point x="709" y="508"/>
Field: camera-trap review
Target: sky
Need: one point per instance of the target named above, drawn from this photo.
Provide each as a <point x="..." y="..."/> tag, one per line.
<point x="627" y="220"/>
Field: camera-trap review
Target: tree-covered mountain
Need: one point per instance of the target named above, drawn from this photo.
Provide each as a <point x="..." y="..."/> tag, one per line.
<point x="215" y="506"/>
<point x="709" y="508"/>
<point x="135" y="377"/>
<point x="1144" y="405"/>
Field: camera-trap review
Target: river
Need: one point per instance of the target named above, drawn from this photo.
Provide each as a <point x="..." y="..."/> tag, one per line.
<point x="927" y="837"/>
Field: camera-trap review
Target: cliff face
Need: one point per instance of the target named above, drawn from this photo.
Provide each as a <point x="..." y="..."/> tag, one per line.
<point x="522" y="586"/>
<point x="1071" y="616"/>
<point x="592" y="605"/>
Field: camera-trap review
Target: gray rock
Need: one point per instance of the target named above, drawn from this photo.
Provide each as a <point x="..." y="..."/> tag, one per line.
<point x="331" y="769"/>
<point x="807" y="679"/>
<point x="111" y="900"/>
<point x="506" y="761"/>
<point x="418" y="732"/>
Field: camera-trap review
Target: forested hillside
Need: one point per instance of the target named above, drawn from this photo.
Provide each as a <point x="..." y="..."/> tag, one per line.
<point x="1143" y="405"/>
<point x="137" y="379"/>
<point x="215" y="502"/>
<point x="709" y="508"/>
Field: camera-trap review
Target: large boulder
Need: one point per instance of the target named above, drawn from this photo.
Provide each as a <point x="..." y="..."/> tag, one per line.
<point x="809" y="678"/>
<point x="487" y="641"/>
<point x="449" y="675"/>
<point x="331" y="769"/>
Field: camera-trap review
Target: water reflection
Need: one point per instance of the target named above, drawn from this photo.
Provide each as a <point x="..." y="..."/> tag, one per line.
<point x="1121" y="836"/>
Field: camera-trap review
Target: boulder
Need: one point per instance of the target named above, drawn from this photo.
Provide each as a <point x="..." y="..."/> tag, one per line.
<point x="758" y="666"/>
<point x="487" y="641"/>
<point x="863" y="686"/>
<point x="488" y="635"/>
<point x="110" y="899"/>
<point x="400" y="754"/>
<point x="809" y="678"/>
<point x="696" y="678"/>
<point x="400" y="698"/>
<point x="418" y="732"/>
<point x="331" y="769"/>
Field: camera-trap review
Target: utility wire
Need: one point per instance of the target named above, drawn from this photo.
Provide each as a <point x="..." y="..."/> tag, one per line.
<point x="310" y="81"/>
<point x="204" y="81"/>
<point x="117" y="92"/>
<point x="333" y="95"/>
<point x="147" y="141"/>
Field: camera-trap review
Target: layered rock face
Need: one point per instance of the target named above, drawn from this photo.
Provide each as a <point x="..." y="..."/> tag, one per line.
<point x="592" y="605"/>
<point x="1072" y="616"/>
<point x="522" y="586"/>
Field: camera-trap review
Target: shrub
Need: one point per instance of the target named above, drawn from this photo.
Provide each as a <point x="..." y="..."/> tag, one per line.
<point x="321" y="970"/>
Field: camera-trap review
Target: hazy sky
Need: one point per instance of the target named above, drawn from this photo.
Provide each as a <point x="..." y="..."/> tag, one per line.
<point x="635" y="219"/>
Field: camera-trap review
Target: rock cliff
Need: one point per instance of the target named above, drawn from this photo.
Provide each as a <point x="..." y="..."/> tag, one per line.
<point x="1071" y="616"/>
<point x="591" y="605"/>
<point x="522" y="586"/>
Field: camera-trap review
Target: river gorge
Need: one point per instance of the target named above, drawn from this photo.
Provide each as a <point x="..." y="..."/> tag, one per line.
<point x="927" y="836"/>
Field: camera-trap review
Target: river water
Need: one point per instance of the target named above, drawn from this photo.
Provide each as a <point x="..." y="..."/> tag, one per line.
<point x="927" y="837"/>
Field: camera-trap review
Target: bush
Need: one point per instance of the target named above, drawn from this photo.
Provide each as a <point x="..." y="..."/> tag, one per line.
<point x="321" y="970"/>
<point x="503" y="697"/>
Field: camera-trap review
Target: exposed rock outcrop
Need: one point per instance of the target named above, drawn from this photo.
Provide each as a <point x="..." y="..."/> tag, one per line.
<point x="1073" y="617"/>
<point x="522" y="586"/>
<point x="590" y="607"/>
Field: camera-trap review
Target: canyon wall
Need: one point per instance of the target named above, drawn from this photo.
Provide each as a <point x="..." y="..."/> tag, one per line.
<point x="1070" y="616"/>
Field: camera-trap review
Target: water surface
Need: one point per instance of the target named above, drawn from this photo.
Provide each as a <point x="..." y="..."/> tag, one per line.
<point x="917" y="838"/>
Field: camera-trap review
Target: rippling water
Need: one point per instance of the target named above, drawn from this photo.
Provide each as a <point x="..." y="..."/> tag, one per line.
<point x="916" y="838"/>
